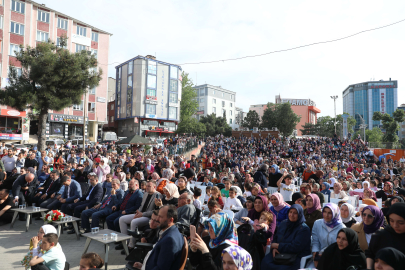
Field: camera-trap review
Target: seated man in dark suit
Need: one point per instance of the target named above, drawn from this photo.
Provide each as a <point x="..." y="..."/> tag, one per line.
<point x="22" y="188"/>
<point x="166" y="254"/>
<point x="48" y="190"/>
<point x="8" y="182"/>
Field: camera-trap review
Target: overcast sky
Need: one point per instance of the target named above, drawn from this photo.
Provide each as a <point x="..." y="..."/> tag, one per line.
<point x="201" y="30"/>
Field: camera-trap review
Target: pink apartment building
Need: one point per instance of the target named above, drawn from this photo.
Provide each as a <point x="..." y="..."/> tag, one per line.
<point x="27" y="23"/>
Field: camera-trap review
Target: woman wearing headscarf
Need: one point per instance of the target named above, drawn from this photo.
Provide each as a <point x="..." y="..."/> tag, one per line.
<point x="274" y="175"/>
<point x="315" y="190"/>
<point x="389" y="258"/>
<point x="293" y="237"/>
<point x="348" y="212"/>
<point x="344" y="253"/>
<point x="298" y="198"/>
<point x="257" y="190"/>
<point x="35" y="245"/>
<point x="369" y="197"/>
<point x="307" y="173"/>
<point x="313" y="211"/>
<point x="338" y="192"/>
<point x="392" y="236"/>
<point x="102" y="169"/>
<point x="207" y="253"/>
<point x="326" y="190"/>
<point x="346" y="187"/>
<point x="373" y="220"/>
<point x="325" y="230"/>
<point x="279" y="207"/>
<point x="171" y="196"/>
<point x="235" y="257"/>
<point x="260" y="205"/>
<point x="387" y="192"/>
<point x="389" y="203"/>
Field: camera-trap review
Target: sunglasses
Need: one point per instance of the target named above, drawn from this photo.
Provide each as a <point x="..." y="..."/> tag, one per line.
<point x="367" y="215"/>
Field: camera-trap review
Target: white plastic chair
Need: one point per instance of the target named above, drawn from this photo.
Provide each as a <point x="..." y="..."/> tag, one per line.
<point x="192" y="186"/>
<point x="230" y="213"/>
<point x="203" y="193"/>
<point x="326" y="197"/>
<point x="379" y="202"/>
<point x="307" y="262"/>
<point x="272" y="190"/>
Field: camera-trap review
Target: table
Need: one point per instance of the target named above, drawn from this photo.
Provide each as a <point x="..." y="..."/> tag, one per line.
<point x="29" y="211"/>
<point x="74" y="223"/>
<point x="99" y="237"/>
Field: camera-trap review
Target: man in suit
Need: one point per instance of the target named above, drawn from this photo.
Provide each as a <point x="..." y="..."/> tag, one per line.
<point x="166" y="254"/>
<point x="22" y="188"/>
<point x="104" y="208"/>
<point x="131" y="202"/>
<point x="8" y="183"/>
<point x="142" y="216"/>
<point x="71" y="192"/>
<point x="48" y="190"/>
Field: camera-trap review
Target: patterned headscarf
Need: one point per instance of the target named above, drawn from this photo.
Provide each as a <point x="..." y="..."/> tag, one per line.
<point x="240" y="257"/>
<point x="224" y="230"/>
<point x="336" y="220"/>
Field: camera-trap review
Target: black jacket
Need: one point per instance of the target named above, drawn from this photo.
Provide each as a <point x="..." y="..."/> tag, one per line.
<point x="211" y="260"/>
<point x="261" y="179"/>
<point x="20" y="182"/>
<point x="54" y="188"/>
<point x="95" y="196"/>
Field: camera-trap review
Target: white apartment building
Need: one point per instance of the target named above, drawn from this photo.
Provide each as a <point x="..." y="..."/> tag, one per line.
<point x="215" y="99"/>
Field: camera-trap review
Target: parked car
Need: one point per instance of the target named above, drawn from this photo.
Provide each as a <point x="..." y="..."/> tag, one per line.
<point x="19" y="147"/>
<point x="56" y="143"/>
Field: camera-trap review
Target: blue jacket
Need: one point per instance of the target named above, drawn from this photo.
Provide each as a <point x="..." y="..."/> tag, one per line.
<point x="281" y="215"/>
<point x="133" y="203"/>
<point x="166" y="254"/>
<point x="321" y="237"/>
<point x="95" y="195"/>
<point x="115" y="199"/>
<point x="74" y="193"/>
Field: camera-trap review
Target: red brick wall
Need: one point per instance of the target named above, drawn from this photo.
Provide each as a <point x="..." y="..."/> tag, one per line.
<point x="17" y="17"/>
<point x="13" y="61"/>
<point x="1" y="10"/>
<point x="92" y="116"/>
<point x="78" y="113"/>
<point x="59" y="112"/>
<point x="16" y="39"/>
<point x="61" y="32"/>
<point x="42" y="26"/>
<point x="94" y="45"/>
<point x="92" y="98"/>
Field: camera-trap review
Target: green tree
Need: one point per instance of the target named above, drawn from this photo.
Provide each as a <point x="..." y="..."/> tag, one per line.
<point x="52" y="78"/>
<point x="390" y="124"/>
<point x="310" y="129"/>
<point x="280" y="116"/>
<point x="191" y="125"/>
<point x="188" y="104"/>
<point x="216" y="125"/>
<point x="251" y="120"/>
<point x="374" y="135"/>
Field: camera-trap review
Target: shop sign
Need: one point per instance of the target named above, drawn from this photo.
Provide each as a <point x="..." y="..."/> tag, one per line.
<point x="64" y="118"/>
<point x="81" y="40"/>
<point x="382" y="86"/>
<point x="151" y="98"/>
<point x="13" y="113"/>
<point x="299" y="102"/>
<point x="150" y="115"/>
<point x="154" y="102"/>
<point x="101" y="99"/>
<point x="5" y="136"/>
<point x="136" y="120"/>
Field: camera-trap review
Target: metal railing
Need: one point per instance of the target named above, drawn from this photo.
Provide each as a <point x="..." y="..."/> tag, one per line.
<point x="386" y="145"/>
<point x="182" y="148"/>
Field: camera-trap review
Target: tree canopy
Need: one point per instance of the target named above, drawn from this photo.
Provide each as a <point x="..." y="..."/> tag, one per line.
<point x="188" y="104"/>
<point x="390" y="124"/>
<point x="325" y="126"/>
<point x="251" y="120"/>
<point x="215" y="125"/>
<point x="280" y="116"/>
<point x="52" y="78"/>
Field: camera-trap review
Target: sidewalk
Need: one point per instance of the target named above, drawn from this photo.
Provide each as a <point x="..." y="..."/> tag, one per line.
<point x="14" y="244"/>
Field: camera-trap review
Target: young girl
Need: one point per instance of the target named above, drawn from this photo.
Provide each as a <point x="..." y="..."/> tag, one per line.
<point x="216" y="195"/>
<point x="207" y="194"/>
<point x="118" y="174"/>
<point x="91" y="261"/>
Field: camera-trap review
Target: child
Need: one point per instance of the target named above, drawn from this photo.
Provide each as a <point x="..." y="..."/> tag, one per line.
<point x="143" y="186"/>
<point x="53" y="258"/>
<point x="207" y="181"/>
<point x="225" y="191"/>
<point x="263" y="223"/>
<point x="128" y="177"/>
<point x="197" y="194"/>
<point x="107" y="183"/>
<point x="207" y="194"/>
<point x="216" y="195"/>
<point x="232" y="202"/>
<point x="91" y="261"/>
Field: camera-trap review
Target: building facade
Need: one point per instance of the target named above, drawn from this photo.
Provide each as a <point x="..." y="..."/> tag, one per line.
<point x="217" y="100"/>
<point x="305" y="108"/>
<point x="363" y="99"/>
<point x="28" y="23"/>
<point x="239" y="117"/>
<point x="148" y="94"/>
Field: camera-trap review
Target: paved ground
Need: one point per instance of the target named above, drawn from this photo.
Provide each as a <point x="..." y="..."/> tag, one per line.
<point x="14" y="244"/>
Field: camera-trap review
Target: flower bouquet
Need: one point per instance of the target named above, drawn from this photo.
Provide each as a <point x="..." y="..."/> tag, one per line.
<point x="53" y="215"/>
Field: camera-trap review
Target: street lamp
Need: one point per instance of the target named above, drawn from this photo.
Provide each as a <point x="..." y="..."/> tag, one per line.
<point x="334" y="101"/>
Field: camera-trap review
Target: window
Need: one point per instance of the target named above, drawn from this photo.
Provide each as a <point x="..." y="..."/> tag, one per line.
<point x="213" y="92"/>
<point x="214" y="110"/>
<point x="91" y="107"/>
<point x="62" y="24"/>
<point x="1" y="22"/>
<point x="42" y="36"/>
<point x="94" y="36"/>
<point x="19" y="71"/>
<point x="202" y="92"/>
<point x="151" y="81"/>
<point x="130" y="81"/>
<point x="201" y="100"/>
<point x="223" y="103"/>
<point x="151" y="92"/>
<point x="43" y="16"/>
<point x="58" y="43"/>
<point x="222" y="94"/>
<point x="230" y="104"/>
<point x="111" y="118"/>
<point x="80" y="48"/>
<point x="230" y="121"/>
<point x="112" y="107"/>
<point x="151" y="67"/>
<point x="223" y="112"/>
<point x="14" y="49"/>
<point x="150" y="109"/>
<point x="17" y="6"/>
<point x="214" y="101"/>
<point x="173" y="85"/>
<point x="81" y="30"/>
<point x="130" y="67"/>
<point x="92" y="91"/>
<point x="17" y="28"/>
<point x="173" y="72"/>
<point x="173" y="98"/>
<point x="94" y="52"/>
<point x="172" y="113"/>
<point x="78" y="107"/>
<point x="230" y="112"/>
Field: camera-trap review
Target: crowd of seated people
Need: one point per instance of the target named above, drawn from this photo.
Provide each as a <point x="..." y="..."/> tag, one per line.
<point x="266" y="203"/>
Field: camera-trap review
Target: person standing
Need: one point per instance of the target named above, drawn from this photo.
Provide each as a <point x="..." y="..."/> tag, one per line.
<point x="9" y="162"/>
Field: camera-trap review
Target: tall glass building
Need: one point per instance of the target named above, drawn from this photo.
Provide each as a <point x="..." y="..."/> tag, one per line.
<point x="363" y="99"/>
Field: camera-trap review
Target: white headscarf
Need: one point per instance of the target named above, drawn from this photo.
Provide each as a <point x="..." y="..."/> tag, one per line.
<point x="105" y="163"/>
<point x="49" y="229"/>
<point x="352" y="212"/>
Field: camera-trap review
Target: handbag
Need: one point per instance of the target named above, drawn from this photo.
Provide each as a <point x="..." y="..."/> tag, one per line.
<point x="284" y="258"/>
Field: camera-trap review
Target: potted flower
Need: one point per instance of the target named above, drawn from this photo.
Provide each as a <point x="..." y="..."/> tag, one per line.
<point x="53" y="215"/>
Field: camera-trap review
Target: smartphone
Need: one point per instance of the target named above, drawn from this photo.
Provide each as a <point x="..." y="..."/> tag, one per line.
<point x="192" y="232"/>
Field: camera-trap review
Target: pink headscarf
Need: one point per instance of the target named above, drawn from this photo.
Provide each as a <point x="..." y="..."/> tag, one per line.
<point x="317" y="203"/>
<point x="281" y="202"/>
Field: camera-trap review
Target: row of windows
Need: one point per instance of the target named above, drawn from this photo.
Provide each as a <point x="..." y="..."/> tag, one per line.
<point x="151" y="109"/>
<point x="91" y="107"/>
<point x="214" y="101"/>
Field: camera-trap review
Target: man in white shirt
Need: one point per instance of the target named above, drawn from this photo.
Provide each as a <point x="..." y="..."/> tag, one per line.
<point x="9" y="161"/>
<point x="232" y="202"/>
<point x="402" y="159"/>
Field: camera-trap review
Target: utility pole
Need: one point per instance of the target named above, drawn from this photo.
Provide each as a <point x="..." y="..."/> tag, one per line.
<point x="334" y="101"/>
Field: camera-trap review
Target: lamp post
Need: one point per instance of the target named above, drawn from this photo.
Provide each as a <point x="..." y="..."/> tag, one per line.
<point x="334" y="101"/>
